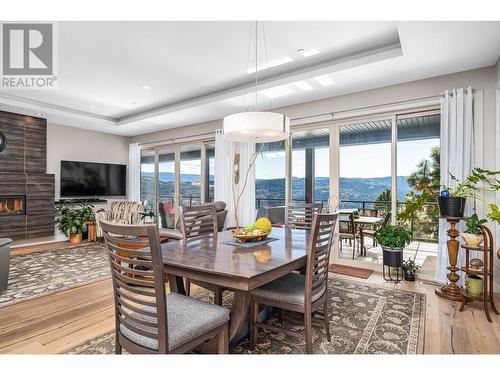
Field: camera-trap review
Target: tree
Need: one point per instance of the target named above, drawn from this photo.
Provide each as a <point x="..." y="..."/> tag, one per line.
<point x="383" y="201"/>
<point x="427" y="175"/>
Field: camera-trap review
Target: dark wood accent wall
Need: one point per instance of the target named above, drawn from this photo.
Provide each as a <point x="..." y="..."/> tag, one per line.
<point x="22" y="172"/>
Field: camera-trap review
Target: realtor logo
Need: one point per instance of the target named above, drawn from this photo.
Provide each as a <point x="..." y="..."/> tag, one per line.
<point x="28" y="52"/>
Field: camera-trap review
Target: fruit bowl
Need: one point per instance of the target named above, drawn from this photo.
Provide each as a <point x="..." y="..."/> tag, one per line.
<point x="243" y="236"/>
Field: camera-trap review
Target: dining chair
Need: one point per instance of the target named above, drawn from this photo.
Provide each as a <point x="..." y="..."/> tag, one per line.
<point x="300" y="215"/>
<point x="371" y="212"/>
<point x="306" y="294"/>
<point x="370" y="232"/>
<point x="347" y="231"/>
<point x="147" y="320"/>
<point x="198" y="221"/>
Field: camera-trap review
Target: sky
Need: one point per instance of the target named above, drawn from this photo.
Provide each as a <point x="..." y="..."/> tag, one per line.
<point x="355" y="161"/>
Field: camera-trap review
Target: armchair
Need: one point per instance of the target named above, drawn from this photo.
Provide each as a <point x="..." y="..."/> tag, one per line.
<point x="122" y="212"/>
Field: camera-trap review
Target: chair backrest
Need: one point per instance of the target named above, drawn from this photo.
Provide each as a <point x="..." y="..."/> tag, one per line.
<point x="198" y="220"/>
<point x="138" y="280"/>
<point x="318" y="254"/>
<point x="300" y="215"/>
<point x="371" y="212"/>
<point x="346" y="223"/>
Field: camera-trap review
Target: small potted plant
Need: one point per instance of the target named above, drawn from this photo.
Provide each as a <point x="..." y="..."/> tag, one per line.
<point x="148" y="217"/>
<point x="393" y="239"/>
<point x="355" y="214"/>
<point x="410" y="268"/>
<point x="473" y="236"/>
<point x="72" y="220"/>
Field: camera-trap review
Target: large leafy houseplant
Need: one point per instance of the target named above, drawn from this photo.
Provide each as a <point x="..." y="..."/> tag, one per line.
<point x="393" y="236"/>
<point x="72" y="219"/>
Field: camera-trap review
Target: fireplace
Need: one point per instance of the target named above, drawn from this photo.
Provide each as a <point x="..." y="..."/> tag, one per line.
<point x="12" y="205"/>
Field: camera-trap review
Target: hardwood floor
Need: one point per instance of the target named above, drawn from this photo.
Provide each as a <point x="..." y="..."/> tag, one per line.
<point x="64" y="320"/>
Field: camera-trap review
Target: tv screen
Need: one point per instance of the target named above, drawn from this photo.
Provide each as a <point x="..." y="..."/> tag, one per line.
<point x="82" y="179"/>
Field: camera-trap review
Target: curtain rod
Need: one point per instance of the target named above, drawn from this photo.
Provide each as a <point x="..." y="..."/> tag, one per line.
<point x="200" y="135"/>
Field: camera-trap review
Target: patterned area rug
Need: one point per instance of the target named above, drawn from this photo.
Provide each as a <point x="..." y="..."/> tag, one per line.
<point x="364" y="319"/>
<point x="38" y="274"/>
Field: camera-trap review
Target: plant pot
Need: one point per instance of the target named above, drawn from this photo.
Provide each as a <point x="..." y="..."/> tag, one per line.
<point x="75" y="238"/>
<point x="451" y="206"/>
<point x="409" y="276"/>
<point x="472" y="239"/>
<point x="392" y="257"/>
<point x="474" y="285"/>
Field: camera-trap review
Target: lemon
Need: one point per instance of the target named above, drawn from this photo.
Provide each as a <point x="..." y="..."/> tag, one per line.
<point x="263" y="224"/>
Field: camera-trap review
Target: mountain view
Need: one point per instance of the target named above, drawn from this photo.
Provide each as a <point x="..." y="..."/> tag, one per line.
<point x="272" y="191"/>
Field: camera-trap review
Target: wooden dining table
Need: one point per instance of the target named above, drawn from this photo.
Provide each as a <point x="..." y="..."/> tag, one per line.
<point x="212" y="260"/>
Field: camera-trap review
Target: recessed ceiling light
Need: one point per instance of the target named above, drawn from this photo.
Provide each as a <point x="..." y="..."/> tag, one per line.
<point x="276" y="92"/>
<point x="146" y="87"/>
<point x="92" y="106"/>
<point x="38" y="113"/>
<point x="324" y="80"/>
<point x="303" y="85"/>
<point x="270" y="64"/>
<point x="307" y="52"/>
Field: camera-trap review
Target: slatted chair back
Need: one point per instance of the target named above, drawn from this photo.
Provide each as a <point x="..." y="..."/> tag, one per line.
<point x="318" y="254"/>
<point x="199" y="220"/>
<point x="300" y="215"/>
<point x="387" y="218"/>
<point x="346" y="223"/>
<point x="371" y="212"/>
<point x="138" y="283"/>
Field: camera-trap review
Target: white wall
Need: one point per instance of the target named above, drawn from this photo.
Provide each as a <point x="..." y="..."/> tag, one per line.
<point x="485" y="79"/>
<point x="68" y="143"/>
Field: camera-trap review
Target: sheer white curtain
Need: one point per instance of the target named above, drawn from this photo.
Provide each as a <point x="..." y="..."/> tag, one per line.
<point x="457" y="157"/>
<point x="134" y="172"/>
<point x="224" y="157"/>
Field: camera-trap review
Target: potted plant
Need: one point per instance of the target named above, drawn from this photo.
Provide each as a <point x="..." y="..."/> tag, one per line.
<point x="473" y="236"/>
<point x="72" y="220"/>
<point x="452" y="200"/>
<point x="148" y="216"/>
<point x="393" y="239"/>
<point x="474" y="285"/>
<point x="410" y="268"/>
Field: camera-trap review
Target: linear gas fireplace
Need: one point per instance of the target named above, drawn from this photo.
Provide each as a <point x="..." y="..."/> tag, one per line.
<point x="12" y="205"/>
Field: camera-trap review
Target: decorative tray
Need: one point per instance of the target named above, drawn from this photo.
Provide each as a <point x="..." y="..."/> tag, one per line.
<point x="250" y="236"/>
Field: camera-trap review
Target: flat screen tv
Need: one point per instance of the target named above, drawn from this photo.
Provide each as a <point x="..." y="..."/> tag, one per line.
<point x="82" y="179"/>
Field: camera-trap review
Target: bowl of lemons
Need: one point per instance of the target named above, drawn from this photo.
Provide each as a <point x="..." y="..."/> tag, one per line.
<point x="257" y="231"/>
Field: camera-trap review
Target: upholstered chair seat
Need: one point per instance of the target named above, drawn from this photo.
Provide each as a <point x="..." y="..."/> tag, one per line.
<point x="289" y="289"/>
<point x="188" y="318"/>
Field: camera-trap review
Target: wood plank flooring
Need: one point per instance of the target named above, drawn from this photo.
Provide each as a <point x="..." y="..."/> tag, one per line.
<point x="64" y="320"/>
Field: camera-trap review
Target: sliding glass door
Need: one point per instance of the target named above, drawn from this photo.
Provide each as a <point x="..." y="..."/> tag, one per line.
<point x="177" y="175"/>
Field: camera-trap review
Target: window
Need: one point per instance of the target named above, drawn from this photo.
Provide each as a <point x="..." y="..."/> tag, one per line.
<point x="148" y="178"/>
<point x="365" y="165"/>
<point x="210" y="175"/>
<point x="270" y="174"/>
<point x="418" y="170"/>
<point x="311" y="166"/>
<point x="190" y="175"/>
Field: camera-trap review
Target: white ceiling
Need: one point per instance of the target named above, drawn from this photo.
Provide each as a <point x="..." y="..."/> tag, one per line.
<point x="197" y="70"/>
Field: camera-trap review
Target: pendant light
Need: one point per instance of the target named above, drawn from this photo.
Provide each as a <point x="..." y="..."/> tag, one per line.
<point x="256" y="126"/>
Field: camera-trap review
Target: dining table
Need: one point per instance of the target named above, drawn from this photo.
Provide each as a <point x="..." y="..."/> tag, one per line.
<point x="222" y="261"/>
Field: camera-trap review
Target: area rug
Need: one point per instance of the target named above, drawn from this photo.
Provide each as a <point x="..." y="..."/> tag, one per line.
<point x="39" y="274"/>
<point x="364" y="319"/>
<point x="361" y="273"/>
